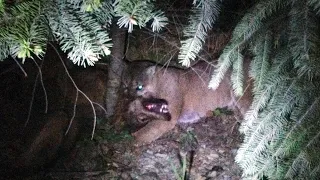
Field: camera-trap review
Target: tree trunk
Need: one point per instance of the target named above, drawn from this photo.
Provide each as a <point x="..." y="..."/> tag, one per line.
<point x="115" y="67"/>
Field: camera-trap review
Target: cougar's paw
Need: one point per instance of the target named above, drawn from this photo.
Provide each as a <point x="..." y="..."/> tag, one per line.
<point x="140" y="140"/>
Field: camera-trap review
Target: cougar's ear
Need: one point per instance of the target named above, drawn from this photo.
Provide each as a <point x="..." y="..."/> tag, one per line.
<point x="151" y="70"/>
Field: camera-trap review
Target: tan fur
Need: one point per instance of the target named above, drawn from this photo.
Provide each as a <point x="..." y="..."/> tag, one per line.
<point x="187" y="94"/>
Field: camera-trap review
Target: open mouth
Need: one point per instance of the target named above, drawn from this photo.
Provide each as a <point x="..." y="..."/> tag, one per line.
<point x="159" y="106"/>
<point x="163" y="108"/>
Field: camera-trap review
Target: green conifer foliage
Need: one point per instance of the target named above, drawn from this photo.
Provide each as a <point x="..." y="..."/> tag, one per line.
<point x="138" y="12"/>
<point x="205" y="14"/>
<point x="282" y="127"/>
<point x="81" y="27"/>
<point x="22" y="30"/>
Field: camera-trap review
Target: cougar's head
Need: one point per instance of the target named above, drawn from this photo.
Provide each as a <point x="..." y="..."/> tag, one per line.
<point x="143" y="84"/>
<point x="145" y="106"/>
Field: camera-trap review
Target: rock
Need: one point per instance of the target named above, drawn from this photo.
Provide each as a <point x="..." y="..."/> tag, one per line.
<point x="213" y="156"/>
<point x="125" y="176"/>
<point x="213" y="174"/>
<point x="149" y="152"/>
<point x="226" y="177"/>
<point x="161" y="155"/>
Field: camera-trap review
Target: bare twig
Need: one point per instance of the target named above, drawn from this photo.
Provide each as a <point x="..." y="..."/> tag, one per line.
<point x="74" y="112"/>
<point x="31" y="102"/>
<point x="42" y="84"/>
<point x="23" y="71"/>
<point x="199" y="75"/>
<point x="104" y="110"/>
<point x="39" y="74"/>
<point x="78" y="91"/>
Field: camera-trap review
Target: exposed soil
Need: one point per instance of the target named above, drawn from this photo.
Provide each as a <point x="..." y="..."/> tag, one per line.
<point x="208" y="146"/>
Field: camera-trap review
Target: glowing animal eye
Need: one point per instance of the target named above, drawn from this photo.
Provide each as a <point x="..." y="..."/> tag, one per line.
<point x="139" y="87"/>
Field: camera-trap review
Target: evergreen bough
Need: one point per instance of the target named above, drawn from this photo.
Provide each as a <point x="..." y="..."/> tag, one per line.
<point x="81" y="27"/>
<point x="205" y="14"/>
<point x="282" y="127"/>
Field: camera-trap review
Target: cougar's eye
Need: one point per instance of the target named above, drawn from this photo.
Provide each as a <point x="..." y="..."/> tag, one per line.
<point x="139" y="87"/>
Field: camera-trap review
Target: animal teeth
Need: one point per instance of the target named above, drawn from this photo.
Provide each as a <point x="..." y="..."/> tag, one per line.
<point x="164" y="108"/>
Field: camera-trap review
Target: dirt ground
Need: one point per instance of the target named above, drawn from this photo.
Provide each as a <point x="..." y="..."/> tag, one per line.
<point x="200" y="151"/>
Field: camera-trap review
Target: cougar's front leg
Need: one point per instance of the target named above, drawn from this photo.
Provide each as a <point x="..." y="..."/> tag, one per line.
<point x="152" y="131"/>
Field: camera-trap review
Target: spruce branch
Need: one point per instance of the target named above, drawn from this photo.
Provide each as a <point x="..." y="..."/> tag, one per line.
<point x="315" y="4"/>
<point x="315" y="171"/>
<point x="205" y="14"/>
<point x="79" y="34"/>
<point x="243" y="32"/>
<point x="224" y="62"/>
<point x="138" y="12"/>
<point x="299" y="120"/>
<point x="237" y="76"/>
<point x="90" y="5"/>
<point x="4" y="48"/>
<point x="300" y="161"/>
<point x="23" y="30"/>
<point x="265" y="131"/>
<point x="254" y="19"/>
<point x="159" y="21"/>
<point x="104" y="14"/>
<point x="260" y="64"/>
<point x="306" y="160"/>
<point x="304" y="40"/>
<point x="296" y="137"/>
<point x="1" y="7"/>
<point x="271" y="79"/>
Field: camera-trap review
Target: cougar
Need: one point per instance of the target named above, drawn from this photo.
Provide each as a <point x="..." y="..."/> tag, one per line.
<point x="184" y="93"/>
